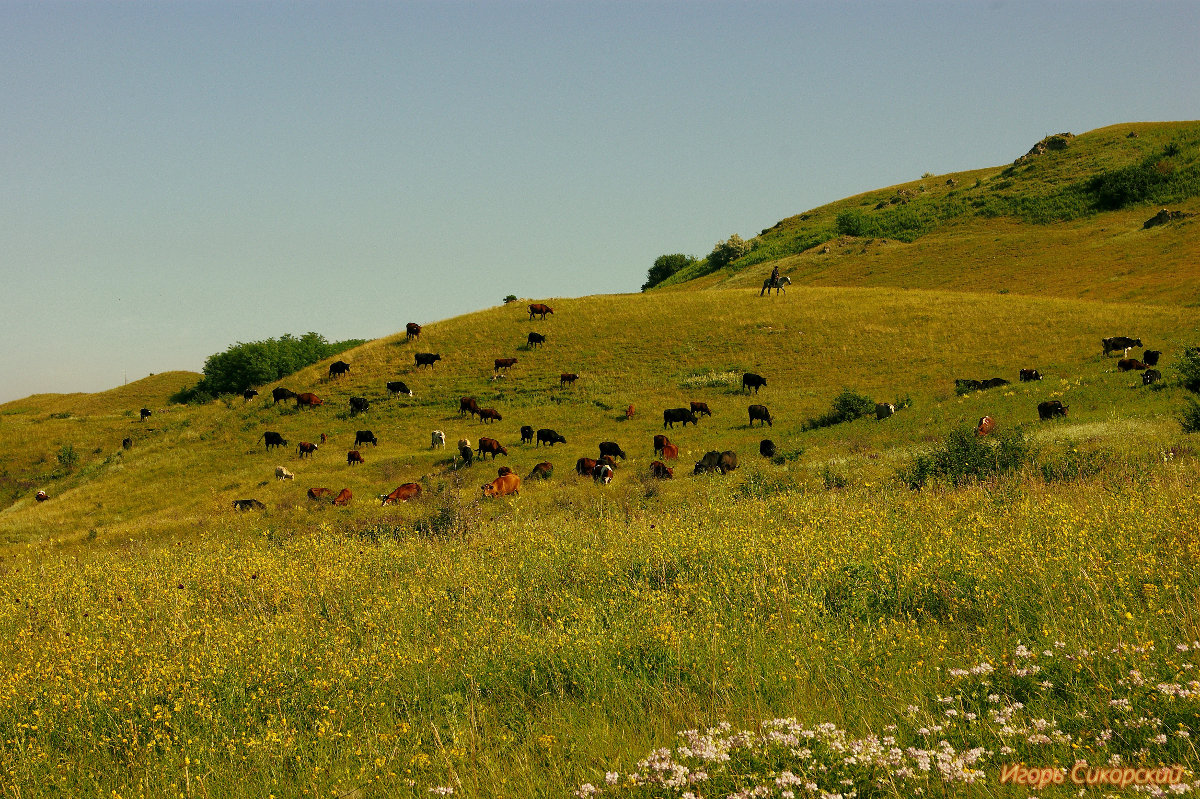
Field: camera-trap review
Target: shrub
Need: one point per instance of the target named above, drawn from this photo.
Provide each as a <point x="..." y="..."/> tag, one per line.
<point x="728" y="251"/>
<point x="1189" y="416"/>
<point x="665" y="266"/>
<point x="846" y="407"/>
<point x="1189" y="369"/>
<point x="965" y="457"/>
<point x="510" y="298"/>
<point x="67" y="457"/>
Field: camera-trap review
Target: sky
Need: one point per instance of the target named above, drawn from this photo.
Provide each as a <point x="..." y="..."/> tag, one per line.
<point x="177" y="177"/>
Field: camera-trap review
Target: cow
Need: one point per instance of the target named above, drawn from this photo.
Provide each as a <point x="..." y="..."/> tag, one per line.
<point x="670" y="452"/>
<point x="338" y="368"/>
<point x="602" y="473"/>
<point x="126" y="443"/>
<point x="41" y="496"/>
<point x="324" y="438"/>
<point x="279" y="394"/>
<point x="502" y="486"/>
<point x="661" y="470"/>
<point x="673" y="415"/>
<point x="144" y="413"/>
<point x="402" y="494"/>
<point x="412" y="330"/>
<point x="353" y="457"/>
<point x="503" y="363"/>
<point x="608" y="460"/>
<point x="526" y="434"/>
<point x="343" y="498"/>
<point x="464" y="442"/>
<point x="567" y="378"/>
<point x="1151" y="376"/>
<point x="884" y="409"/>
<point x="437" y="440"/>
<point x="751" y="380"/>
<point x="994" y="382"/>
<point x="539" y="309"/>
<point x="320" y="493"/>
<point x="365" y="437"/>
<point x="549" y="437"/>
<point x="1127" y="364"/>
<point x="534" y="339"/>
<point x="1123" y="343"/>
<point x="1150" y="357"/>
<point x="307" y="400"/>
<point x="659" y="441"/>
<point x="1050" y="409"/>
<point x="760" y="413"/>
<point x="426" y="359"/>
<point x="273" y="439"/>
<point x="489" y="414"/>
<point x="503" y="470"/>
<point x="359" y="405"/>
<point x="543" y="471"/>
<point x="584" y="466"/>
<point x="1029" y="375"/>
<point x="491" y="446"/>
<point x="714" y="461"/>
<point x="397" y="387"/>
<point x="766" y="448"/>
<point x="466" y="453"/>
<point x="986" y="425"/>
<point x="628" y="412"/>
<point x="701" y="409"/>
<point x="283" y="474"/>
<point x="468" y="405"/>
<point x="248" y="504"/>
<point x="249" y="394"/>
<point x="305" y="450"/>
<point x="612" y="448"/>
<point x="966" y="385"/>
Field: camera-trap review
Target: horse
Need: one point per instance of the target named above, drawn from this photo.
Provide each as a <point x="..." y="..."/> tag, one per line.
<point x="777" y="284"/>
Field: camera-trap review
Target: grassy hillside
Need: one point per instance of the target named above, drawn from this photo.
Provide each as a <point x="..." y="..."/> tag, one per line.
<point x="1066" y="223"/>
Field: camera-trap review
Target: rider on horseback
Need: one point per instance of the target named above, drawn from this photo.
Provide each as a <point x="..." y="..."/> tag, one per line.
<point x="772" y="282"/>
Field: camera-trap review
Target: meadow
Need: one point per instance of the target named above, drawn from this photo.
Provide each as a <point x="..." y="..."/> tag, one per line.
<point x="160" y="643"/>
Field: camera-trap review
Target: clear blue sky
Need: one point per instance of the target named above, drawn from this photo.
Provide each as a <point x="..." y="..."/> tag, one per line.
<point x="179" y="176"/>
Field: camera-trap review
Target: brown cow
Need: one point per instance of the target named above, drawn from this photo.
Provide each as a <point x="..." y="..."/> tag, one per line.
<point x="659" y="441"/>
<point x="628" y="412"/>
<point x="542" y="471"/>
<point x="308" y="400"/>
<point x="353" y="457"/>
<point x="320" y="493"/>
<point x="488" y="414"/>
<point x="503" y="363"/>
<point x="307" y="449"/>
<point x="1126" y="364"/>
<point x="670" y="452"/>
<point x="701" y="409"/>
<point x="661" y="470"/>
<point x="468" y="405"/>
<point x="585" y="466"/>
<point x="607" y="460"/>
<point x="567" y="377"/>
<point x="402" y="494"/>
<point x="539" y="309"/>
<point x="986" y="425"/>
<point x="412" y="330"/>
<point x="343" y="498"/>
<point x="491" y="446"/>
<point x="502" y="486"/>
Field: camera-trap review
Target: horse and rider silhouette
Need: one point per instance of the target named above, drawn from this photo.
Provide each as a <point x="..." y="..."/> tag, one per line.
<point x="776" y="282"/>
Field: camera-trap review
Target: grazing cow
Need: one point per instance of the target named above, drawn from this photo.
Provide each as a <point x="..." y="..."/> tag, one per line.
<point x="437" y="440"/>
<point x="659" y="441"/>
<point x="320" y="493"/>
<point x="343" y="498"/>
<point x="412" y="330"/>
<point x="145" y="412"/>
<point x="661" y="470"/>
<point x="526" y="434"/>
<point x="1050" y="409"/>
<point x="760" y="413"/>
<point x="751" y="380"/>
<point x="538" y="309"/>
<point x="766" y="448"/>
<point x="249" y="394"/>
<point x="584" y="466"/>
<point x="402" y="494"/>
<point x="503" y="470"/>
<point x="283" y="474"/>
<point x="281" y="393"/>
<point x="612" y="448"/>
<point x="567" y="377"/>
<point x="1028" y="375"/>
<point x="397" y="387"/>
<point x="353" y="457"/>
<point x="1123" y="343"/>
<point x="701" y="409"/>
<point x="602" y="473"/>
<point x="491" y="446"/>
<point x="466" y="453"/>
<point x="549" y="437"/>
<point x="306" y="449"/>
<point x="307" y="400"/>
<point x="673" y="415"/>
<point x="966" y="385"/>
<point x="986" y="425"/>
<point x="503" y="363"/>
<point x="670" y="452"/>
<point x="359" y="405"/>
<point x="1150" y="357"/>
<point x="273" y="439"/>
<point x="502" y="486"/>
<point x="468" y="405"/>
<point x="323" y="438"/>
<point x="365" y="437"/>
<point x="248" y="504"/>
<point x="127" y="443"/>
<point x="1151" y="376"/>
<point x="608" y="460"/>
<point x="489" y="414"/>
<point x="41" y="496"/>
<point x="884" y="409"/>
<point x="426" y="359"/>
<point x="338" y="368"/>
<point x="535" y="339"/>
<point x="464" y="442"/>
<point x="628" y="412"/>
<point x="1127" y="364"/>
<point x="714" y="461"/>
<point x="994" y="382"/>
<point x="543" y="471"/>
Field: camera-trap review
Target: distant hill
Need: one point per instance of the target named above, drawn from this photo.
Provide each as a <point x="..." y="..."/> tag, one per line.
<point x="1066" y="219"/>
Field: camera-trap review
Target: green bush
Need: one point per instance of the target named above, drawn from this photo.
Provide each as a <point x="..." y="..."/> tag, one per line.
<point x="728" y="251"/>
<point x="846" y="407"/>
<point x="1189" y="369"/>
<point x="965" y="457"/>
<point x="665" y="266"/>
<point x="67" y="457"/>
<point x="1189" y="416"/>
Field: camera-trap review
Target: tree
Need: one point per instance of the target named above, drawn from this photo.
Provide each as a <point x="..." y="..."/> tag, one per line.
<point x="665" y="266"/>
<point x="728" y="251"/>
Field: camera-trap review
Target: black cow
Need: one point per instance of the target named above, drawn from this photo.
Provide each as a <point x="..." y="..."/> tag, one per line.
<point x="396" y="387"/>
<point x="1150" y="357"/>
<point x="127" y="443"/>
<point x="281" y="393"/>
<point x="714" y="461"/>
<point x="338" y="368"/>
<point x="365" y="437"/>
<point x="751" y="380"/>
<point x="145" y="413"/>
<point x="273" y="439"/>
<point x="526" y="434"/>
<point x="466" y="453"/>
<point x="1123" y="343"/>
<point x="426" y="359"/>
<point x="359" y="405"/>
<point x="1050" y="409"/>
<point x="1030" y="374"/>
<point x="884" y="409"/>
<point x="766" y="448"/>
<point x="966" y="385"/>
<point x="549" y="437"/>
<point x="760" y="413"/>
<point x="1151" y="376"/>
<point x="249" y="394"/>
<point x="535" y="339"/>
<point x="248" y="504"/>
<point x="673" y="415"/>
<point x="611" y="448"/>
<point x="994" y="382"/>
